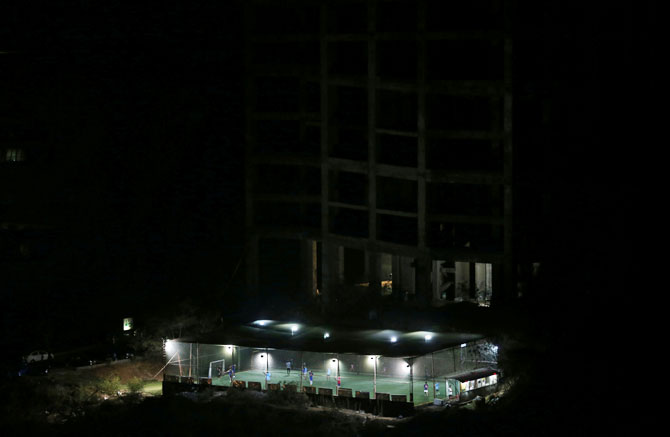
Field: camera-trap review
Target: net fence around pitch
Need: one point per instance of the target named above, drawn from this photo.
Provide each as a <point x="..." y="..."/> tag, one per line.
<point x="360" y="373"/>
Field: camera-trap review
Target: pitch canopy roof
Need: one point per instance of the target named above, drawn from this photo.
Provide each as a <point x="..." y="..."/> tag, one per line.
<point x="296" y="336"/>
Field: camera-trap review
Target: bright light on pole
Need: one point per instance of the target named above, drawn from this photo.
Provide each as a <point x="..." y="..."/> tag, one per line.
<point x="394" y="339"/>
<point x="170" y="347"/>
<point x="428" y="337"/>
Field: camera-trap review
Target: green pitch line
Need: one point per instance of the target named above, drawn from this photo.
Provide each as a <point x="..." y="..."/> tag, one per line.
<point x="356" y="382"/>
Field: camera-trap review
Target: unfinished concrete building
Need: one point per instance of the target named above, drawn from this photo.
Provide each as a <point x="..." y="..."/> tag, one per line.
<point x="379" y="151"/>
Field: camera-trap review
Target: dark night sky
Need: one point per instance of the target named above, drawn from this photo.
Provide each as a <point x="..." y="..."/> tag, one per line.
<point x="143" y="107"/>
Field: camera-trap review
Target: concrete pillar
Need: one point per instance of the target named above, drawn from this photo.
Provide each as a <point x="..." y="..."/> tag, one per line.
<point x="498" y="295"/>
<point x="395" y="276"/>
<point x="403" y="276"/>
<point x="329" y="270"/>
<point x="373" y="271"/>
<point x="422" y="282"/>
<point x="462" y="280"/>
<point x="472" y="282"/>
<point x="407" y="273"/>
<point x="308" y="267"/>
<point x="436" y="281"/>
<point x="448" y="273"/>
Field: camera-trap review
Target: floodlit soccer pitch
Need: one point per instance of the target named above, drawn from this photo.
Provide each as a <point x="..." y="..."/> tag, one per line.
<point x="363" y="382"/>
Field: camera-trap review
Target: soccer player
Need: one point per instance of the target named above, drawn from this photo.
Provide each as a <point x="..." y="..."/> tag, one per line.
<point x="328" y="374"/>
<point x="288" y="367"/>
<point x="425" y="389"/>
<point x="437" y="388"/>
<point x="267" y="376"/>
<point x="311" y="377"/>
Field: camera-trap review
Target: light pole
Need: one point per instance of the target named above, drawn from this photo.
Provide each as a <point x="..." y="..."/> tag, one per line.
<point x="432" y="371"/>
<point x="411" y="380"/>
<point x="337" y="382"/>
<point x="266" y="368"/>
<point x="374" y="383"/>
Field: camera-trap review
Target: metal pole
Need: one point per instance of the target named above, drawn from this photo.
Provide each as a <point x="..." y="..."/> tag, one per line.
<point x="374" y="384"/>
<point x="190" y="358"/>
<point x="300" y="373"/>
<point x="453" y="354"/>
<point x="432" y="371"/>
<point x="166" y="364"/>
<point x="338" y="374"/>
<point x="266" y="368"/>
<point x="411" y="379"/>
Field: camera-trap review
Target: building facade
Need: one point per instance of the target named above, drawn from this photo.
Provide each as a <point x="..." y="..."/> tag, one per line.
<point x="380" y="152"/>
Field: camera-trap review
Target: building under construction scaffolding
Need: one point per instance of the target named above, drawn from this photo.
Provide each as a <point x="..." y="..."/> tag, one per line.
<point x="380" y="151"/>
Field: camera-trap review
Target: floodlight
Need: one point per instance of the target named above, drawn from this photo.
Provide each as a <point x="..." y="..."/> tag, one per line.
<point x="394" y="339"/>
<point x="294" y="328"/>
<point x="170" y="347"/>
<point x="326" y="335"/>
<point x="428" y="337"/>
<point x="334" y="361"/>
<point x="463" y="344"/>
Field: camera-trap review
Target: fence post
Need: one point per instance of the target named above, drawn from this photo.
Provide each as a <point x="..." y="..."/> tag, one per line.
<point x="432" y="371"/>
<point x="411" y="379"/>
<point x="301" y="369"/>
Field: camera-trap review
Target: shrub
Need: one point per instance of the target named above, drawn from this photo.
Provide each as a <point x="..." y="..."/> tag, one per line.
<point x="287" y="397"/>
<point x="110" y="385"/>
<point x="135" y="385"/>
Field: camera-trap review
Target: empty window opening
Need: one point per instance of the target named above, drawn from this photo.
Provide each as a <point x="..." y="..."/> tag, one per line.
<point x="458" y="112"/>
<point x="350" y="222"/>
<point x="348" y="58"/>
<point x="463" y="154"/>
<point x="396" y="194"/>
<point x="397" y="229"/>
<point x="399" y="110"/>
<point x="348" y="187"/>
<point x="397" y="150"/>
